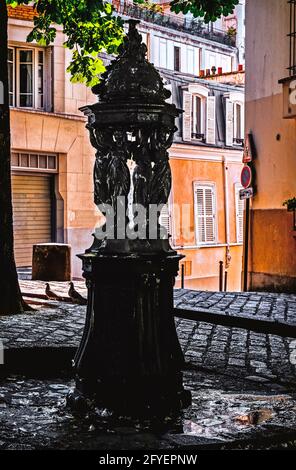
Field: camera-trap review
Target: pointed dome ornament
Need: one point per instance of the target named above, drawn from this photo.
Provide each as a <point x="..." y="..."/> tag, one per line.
<point x="130" y="360"/>
<point x="131" y="77"/>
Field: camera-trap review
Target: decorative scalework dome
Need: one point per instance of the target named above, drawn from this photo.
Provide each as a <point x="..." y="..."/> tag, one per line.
<point x="130" y="77"/>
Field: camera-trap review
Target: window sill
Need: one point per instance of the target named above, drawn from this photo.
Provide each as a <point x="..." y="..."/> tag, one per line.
<point x="217" y="245"/>
<point x="49" y="113"/>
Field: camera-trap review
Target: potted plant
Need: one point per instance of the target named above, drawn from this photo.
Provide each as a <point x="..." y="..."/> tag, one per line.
<point x="291" y="204"/>
<point x="291" y="207"/>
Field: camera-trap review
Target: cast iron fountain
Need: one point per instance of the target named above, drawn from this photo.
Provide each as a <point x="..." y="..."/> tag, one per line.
<point x="129" y="359"/>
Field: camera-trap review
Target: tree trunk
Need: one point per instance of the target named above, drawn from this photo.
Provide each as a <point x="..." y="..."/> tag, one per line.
<point x="10" y="295"/>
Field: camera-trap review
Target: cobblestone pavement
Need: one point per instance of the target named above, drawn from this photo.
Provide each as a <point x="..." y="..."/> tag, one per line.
<point x="278" y="307"/>
<point x="224" y="412"/>
<point x="231" y="351"/>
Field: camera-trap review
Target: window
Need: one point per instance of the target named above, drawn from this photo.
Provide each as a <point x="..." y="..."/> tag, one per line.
<point x="177" y="61"/>
<point x="197" y="118"/>
<point x="238" y="124"/>
<point x="239" y="214"/>
<point x="216" y="59"/>
<point x="34" y="161"/>
<point x="26" y="77"/>
<point x="234" y="119"/>
<point x="205" y="213"/>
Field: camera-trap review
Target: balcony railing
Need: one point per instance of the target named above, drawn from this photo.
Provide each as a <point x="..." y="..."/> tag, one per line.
<point x="192" y="26"/>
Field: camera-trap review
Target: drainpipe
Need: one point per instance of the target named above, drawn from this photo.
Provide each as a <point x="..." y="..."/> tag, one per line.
<point x="226" y="204"/>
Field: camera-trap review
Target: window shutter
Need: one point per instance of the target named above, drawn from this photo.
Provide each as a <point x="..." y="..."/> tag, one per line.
<point x="239" y="208"/>
<point x="229" y="115"/>
<point x="47" y="92"/>
<point x="206" y="214"/>
<point x="165" y="219"/>
<point x="187" y="106"/>
<point x="163" y="53"/>
<point x="169" y="87"/>
<point x="211" y="120"/>
<point x="201" y="230"/>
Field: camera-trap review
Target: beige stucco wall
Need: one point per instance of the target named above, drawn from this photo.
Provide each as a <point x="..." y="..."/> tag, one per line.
<point x="273" y="246"/>
<point x="67" y="137"/>
<point x="62" y="132"/>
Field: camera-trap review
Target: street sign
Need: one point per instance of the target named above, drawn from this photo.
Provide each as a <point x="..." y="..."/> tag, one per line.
<point x="248" y="149"/>
<point x="246" y="193"/>
<point x="246" y="177"/>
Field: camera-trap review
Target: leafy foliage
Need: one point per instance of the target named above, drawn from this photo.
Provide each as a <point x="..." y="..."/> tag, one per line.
<point x="90" y="27"/>
<point x="210" y="10"/>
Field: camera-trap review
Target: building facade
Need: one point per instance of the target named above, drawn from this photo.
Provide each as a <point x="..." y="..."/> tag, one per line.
<point x="52" y="160"/>
<point x="270" y="116"/>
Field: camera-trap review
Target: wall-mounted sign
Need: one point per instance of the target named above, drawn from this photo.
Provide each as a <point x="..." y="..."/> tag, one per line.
<point x="246" y="193"/>
<point x="246" y="176"/>
<point x="249" y="149"/>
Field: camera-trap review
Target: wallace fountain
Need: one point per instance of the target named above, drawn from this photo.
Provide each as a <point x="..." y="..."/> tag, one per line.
<point x="129" y="359"/>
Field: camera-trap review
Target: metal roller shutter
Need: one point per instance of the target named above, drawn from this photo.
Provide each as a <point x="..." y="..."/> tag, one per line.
<point x="31" y="215"/>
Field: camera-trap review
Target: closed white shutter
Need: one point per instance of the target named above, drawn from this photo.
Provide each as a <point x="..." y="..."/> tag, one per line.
<point x="229" y="111"/>
<point x="205" y="212"/>
<point x="190" y="60"/>
<point x="165" y="219"/>
<point x="239" y="216"/>
<point x="211" y="120"/>
<point x="187" y="116"/>
<point x="169" y="87"/>
<point x="162" y="53"/>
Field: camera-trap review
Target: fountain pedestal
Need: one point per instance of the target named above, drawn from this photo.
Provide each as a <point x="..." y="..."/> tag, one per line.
<point x="130" y="359"/>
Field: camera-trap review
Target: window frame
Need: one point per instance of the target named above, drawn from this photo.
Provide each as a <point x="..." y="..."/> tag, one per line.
<point x="198" y="136"/>
<point x="235" y="99"/>
<point x="13" y="76"/>
<point x="202" y="92"/>
<point x="35" y="69"/>
<point x="205" y="185"/>
<point x="237" y="140"/>
<point x="177" y="58"/>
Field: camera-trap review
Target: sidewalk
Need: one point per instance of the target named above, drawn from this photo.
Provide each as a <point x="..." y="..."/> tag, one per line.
<point x="232" y="351"/>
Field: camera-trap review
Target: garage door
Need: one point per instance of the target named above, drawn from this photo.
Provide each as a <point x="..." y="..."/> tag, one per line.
<point x="31" y="215"/>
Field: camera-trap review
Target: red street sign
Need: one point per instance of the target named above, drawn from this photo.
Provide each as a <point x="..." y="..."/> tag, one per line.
<point x="246" y="177"/>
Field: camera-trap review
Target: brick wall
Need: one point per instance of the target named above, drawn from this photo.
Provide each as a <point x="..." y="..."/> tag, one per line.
<point x="21" y="12"/>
